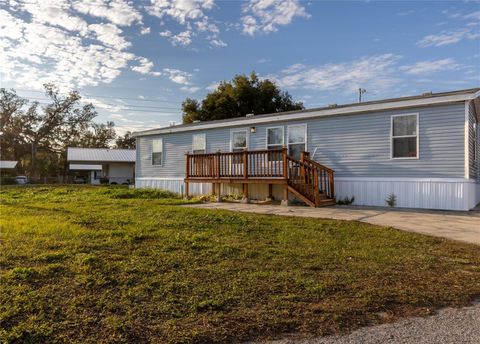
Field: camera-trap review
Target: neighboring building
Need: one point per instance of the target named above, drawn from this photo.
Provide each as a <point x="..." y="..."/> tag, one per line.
<point x="8" y="167"/>
<point x="423" y="149"/>
<point x="114" y="166"/>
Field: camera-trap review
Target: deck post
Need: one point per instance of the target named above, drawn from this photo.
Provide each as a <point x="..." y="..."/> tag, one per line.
<point x="285" y="196"/>
<point x="245" y="198"/>
<point x="285" y="176"/>
<point x="187" y="175"/>
<point x="187" y="191"/>
<point x="270" y="193"/>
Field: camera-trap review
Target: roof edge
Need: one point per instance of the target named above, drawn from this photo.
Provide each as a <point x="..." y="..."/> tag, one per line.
<point x="378" y="105"/>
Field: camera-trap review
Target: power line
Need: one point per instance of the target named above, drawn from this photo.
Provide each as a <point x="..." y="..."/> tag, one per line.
<point x="121" y="106"/>
<point x="104" y="96"/>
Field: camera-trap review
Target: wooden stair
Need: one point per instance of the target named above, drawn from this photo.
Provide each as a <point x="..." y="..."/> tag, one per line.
<point x="310" y="181"/>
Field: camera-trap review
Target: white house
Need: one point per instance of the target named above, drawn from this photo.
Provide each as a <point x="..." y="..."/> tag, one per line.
<point x="423" y="149"/>
<point x="114" y="166"/>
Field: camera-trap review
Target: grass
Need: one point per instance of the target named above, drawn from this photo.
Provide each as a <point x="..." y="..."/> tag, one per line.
<point x="100" y="264"/>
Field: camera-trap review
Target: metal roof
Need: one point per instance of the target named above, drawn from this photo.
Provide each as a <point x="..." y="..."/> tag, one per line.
<point x="84" y="167"/>
<point x="8" y="163"/>
<point x="375" y="105"/>
<point x="100" y="154"/>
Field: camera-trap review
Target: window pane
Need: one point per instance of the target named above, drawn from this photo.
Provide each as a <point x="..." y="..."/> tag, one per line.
<point x="199" y="142"/>
<point x="239" y="139"/>
<point x="405" y="125"/>
<point x="156" y="158"/>
<point x="295" y="150"/>
<point x="405" y="147"/>
<point x="296" y="134"/>
<point x="275" y="136"/>
<point x="157" y="145"/>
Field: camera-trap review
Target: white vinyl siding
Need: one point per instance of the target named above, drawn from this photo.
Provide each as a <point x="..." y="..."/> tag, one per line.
<point x="297" y="140"/>
<point x="404" y="136"/>
<point x="199" y="143"/>
<point x="157" y="152"/>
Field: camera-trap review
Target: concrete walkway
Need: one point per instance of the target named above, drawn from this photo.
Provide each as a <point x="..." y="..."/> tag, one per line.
<point x="452" y="225"/>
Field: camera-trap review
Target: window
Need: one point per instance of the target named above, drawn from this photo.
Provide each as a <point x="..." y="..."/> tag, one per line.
<point x="199" y="144"/>
<point x="157" y="152"/>
<point x="404" y="131"/>
<point x="275" y="138"/>
<point x="239" y="140"/>
<point x="297" y="140"/>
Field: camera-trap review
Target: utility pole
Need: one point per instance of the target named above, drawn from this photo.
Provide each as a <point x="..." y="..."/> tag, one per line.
<point x="360" y="92"/>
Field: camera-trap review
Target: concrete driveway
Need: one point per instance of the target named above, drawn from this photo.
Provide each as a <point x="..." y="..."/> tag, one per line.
<point x="462" y="226"/>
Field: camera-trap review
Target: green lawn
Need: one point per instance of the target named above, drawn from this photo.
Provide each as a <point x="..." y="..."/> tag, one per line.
<point x="99" y="264"/>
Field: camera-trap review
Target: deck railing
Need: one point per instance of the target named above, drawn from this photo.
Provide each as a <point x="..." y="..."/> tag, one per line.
<point x="305" y="176"/>
<point x="242" y="165"/>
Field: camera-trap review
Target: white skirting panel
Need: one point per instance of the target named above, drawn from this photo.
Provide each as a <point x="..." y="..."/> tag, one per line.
<point x="176" y="185"/>
<point x="427" y="193"/>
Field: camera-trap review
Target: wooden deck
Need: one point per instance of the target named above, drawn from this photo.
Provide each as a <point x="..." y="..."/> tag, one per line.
<point x="308" y="180"/>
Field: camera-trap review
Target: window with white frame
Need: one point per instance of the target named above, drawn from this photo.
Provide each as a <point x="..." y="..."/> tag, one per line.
<point x="199" y="144"/>
<point x="404" y="136"/>
<point x="275" y="138"/>
<point x="157" y="151"/>
<point x="239" y="140"/>
<point x="297" y="140"/>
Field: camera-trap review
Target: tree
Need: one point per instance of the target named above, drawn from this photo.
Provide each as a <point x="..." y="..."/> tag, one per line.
<point x="126" y="141"/>
<point x="40" y="137"/>
<point x="241" y="96"/>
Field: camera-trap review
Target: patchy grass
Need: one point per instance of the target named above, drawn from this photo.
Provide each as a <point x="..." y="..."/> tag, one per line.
<point x="101" y="264"/>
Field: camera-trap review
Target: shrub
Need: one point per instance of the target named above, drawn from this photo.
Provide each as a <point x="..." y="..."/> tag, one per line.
<point x="346" y="200"/>
<point x="124" y="193"/>
<point x="391" y="200"/>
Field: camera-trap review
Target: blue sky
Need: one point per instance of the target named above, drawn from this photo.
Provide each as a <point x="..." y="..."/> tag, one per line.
<point x="138" y="60"/>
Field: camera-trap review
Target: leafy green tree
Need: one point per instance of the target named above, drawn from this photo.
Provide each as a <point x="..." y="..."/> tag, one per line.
<point x="126" y="141"/>
<point x="39" y="137"/>
<point x="241" y="96"/>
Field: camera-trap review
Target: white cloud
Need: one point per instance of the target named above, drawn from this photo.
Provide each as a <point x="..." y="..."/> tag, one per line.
<point x="473" y="15"/>
<point x="178" y="76"/>
<point x="145" y="67"/>
<point x="110" y="35"/>
<point x="190" y="89"/>
<point x="218" y="43"/>
<point x="53" y="12"/>
<point x="50" y="41"/>
<point x="183" y="38"/>
<point x="166" y="33"/>
<point x="118" y="12"/>
<point x="191" y="15"/>
<point x="180" y="10"/>
<point x="375" y="72"/>
<point x="145" y="30"/>
<point x="213" y="86"/>
<point x="265" y="16"/>
<point x="431" y="66"/>
<point x="447" y="37"/>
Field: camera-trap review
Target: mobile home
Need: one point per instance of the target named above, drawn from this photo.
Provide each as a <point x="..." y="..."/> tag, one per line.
<point x="421" y="149"/>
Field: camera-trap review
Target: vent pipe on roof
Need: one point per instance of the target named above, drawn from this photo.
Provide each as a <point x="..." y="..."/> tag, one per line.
<point x="171" y="123"/>
<point x="426" y="94"/>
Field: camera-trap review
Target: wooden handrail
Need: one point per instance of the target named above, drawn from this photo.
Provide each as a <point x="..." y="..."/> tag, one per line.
<point x="305" y="176"/>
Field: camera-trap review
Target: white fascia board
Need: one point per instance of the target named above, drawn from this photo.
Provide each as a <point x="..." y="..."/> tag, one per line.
<point x="298" y="116"/>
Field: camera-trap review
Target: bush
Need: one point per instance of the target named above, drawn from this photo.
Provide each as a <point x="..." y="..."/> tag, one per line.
<point x="124" y="193"/>
<point x="7" y="180"/>
<point x="346" y="200"/>
<point x="391" y="200"/>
